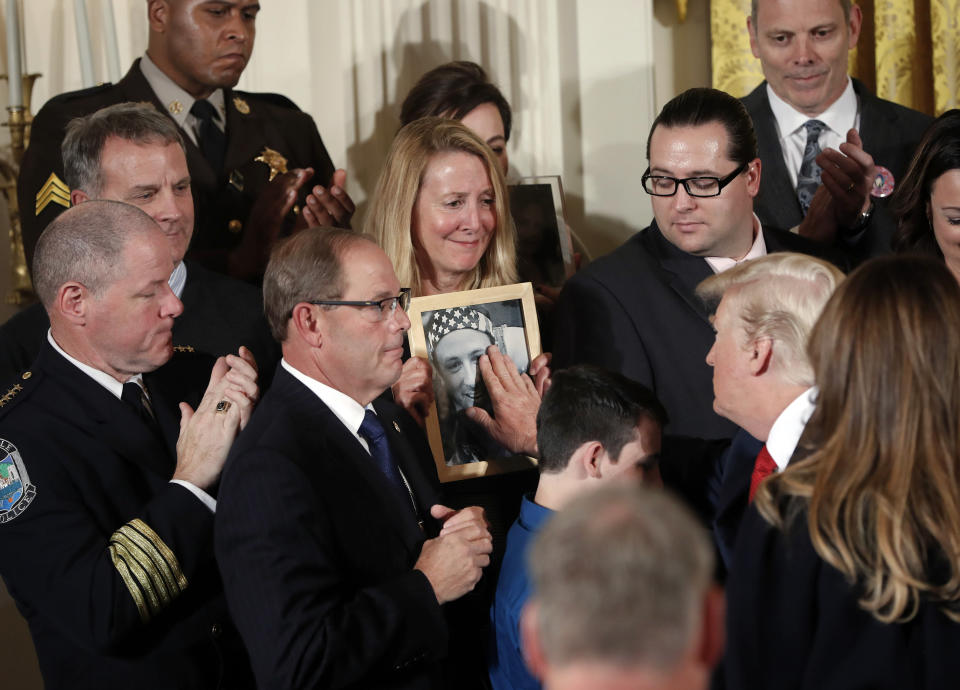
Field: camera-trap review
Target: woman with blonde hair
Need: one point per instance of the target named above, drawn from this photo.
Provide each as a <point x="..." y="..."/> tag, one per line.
<point x="847" y="574"/>
<point x="440" y="210"/>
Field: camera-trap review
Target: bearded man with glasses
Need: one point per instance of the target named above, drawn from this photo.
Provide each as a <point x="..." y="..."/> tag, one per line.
<point x="635" y="311"/>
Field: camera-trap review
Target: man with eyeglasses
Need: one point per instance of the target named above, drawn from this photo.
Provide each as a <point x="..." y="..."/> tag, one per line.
<point x="335" y="551"/>
<point x="635" y="311"/>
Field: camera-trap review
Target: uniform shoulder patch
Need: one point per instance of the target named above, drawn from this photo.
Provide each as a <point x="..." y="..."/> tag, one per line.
<point x="53" y="191"/>
<point x="16" y="491"/>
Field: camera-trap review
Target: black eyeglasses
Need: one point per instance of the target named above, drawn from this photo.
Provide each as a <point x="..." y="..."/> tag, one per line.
<point x="385" y="307"/>
<point x="660" y="185"/>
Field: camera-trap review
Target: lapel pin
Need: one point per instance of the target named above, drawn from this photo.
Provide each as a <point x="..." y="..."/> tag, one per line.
<point x="396" y="426"/>
<point x="883" y="183"/>
<point x="241" y="105"/>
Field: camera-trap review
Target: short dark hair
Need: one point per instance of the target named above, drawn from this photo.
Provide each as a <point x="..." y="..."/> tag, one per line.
<point x="937" y="153"/>
<point x="701" y="106"/>
<point x="452" y="90"/>
<point x="303" y="267"/>
<point x="86" y="136"/>
<point x="586" y="403"/>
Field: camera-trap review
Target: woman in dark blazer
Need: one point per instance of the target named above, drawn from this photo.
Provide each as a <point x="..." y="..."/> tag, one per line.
<point x="847" y="569"/>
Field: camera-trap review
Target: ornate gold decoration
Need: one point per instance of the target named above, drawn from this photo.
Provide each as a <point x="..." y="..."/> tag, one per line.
<point x="175" y="107"/>
<point x="19" y="121"/>
<point x="183" y="348"/>
<point x="10" y="394"/>
<point x="273" y="159"/>
<point x="945" y="28"/>
<point x="682" y="10"/>
<point x="735" y="70"/>
<point x="148" y="567"/>
<point x="241" y="105"/>
<point x="55" y="191"/>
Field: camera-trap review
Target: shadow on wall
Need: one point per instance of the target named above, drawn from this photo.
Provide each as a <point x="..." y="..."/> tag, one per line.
<point x="411" y="61"/>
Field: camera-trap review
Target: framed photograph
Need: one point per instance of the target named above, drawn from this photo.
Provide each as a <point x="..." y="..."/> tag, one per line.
<point x="451" y="332"/>
<point x="544" y="247"/>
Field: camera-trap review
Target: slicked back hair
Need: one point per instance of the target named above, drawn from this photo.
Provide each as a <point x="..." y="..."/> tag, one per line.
<point x="703" y="106"/>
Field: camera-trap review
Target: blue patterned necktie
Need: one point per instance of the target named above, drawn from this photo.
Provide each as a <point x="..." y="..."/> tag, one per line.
<point x="376" y="437"/>
<point x="808" y="179"/>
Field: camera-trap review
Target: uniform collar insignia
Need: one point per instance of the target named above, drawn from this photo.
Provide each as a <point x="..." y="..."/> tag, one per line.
<point x="241" y="105"/>
<point x="183" y="348"/>
<point x="274" y="160"/>
<point x="175" y="107"/>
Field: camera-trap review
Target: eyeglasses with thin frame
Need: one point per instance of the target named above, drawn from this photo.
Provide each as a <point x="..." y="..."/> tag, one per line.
<point x="384" y="308"/>
<point x="661" y="185"/>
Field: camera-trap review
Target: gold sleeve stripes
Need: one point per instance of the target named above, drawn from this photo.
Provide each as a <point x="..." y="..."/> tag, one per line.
<point x="148" y="567"/>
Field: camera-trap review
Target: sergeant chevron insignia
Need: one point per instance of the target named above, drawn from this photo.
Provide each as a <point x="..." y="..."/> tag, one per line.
<point x="53" y="191"/>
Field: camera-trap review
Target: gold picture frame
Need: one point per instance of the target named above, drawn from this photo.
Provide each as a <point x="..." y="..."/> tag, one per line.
<point x="505" y="316"/>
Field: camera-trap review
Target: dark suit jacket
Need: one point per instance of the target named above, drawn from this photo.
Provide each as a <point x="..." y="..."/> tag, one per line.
<point x="793" y="622"/>
<point x="219" y="315"/>
<point x="317" y="552"/>
<point x="635" y="311"/>
<point x="890" y="134"/>
<point x="734" y="468"/>
<point x="96" y="468"/>
<point x="220" y="196"/>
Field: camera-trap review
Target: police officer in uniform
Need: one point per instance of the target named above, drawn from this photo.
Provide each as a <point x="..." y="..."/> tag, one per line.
<point x="256" y="161"/>
<point x="106" y="517"/>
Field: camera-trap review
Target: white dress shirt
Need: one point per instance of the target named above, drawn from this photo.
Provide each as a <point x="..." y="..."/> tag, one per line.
<point x="842" y="116"/>
<point x="786" y="431"/>
<point x="116" y="388"/>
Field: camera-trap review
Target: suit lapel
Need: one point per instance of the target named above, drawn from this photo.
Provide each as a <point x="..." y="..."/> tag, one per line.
<point x="684" y="270"/>
<point x="114" y="423"/>
<point x="424" y="490"/>
<point x="345" y="451"/>
<point x="779" y="195"/>
<point x="244" y="134"/>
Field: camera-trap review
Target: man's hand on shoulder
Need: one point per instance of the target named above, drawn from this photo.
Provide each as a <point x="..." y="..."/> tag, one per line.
<point x="207" y="433"/>
<point x="454" y="561"/>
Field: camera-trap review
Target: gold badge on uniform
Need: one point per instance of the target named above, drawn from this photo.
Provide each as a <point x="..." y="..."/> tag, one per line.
<point x="53" y="191"/>
<point x="241" y="105"/>
<point x="175" y="107"/>
<point x="274" y="159"/>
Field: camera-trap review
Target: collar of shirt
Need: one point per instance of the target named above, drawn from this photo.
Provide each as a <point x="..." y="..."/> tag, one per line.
<point x="101" y="377"/>
<point x="346" y="409"/>
<point x="178" y="279"/>
<point x="786" y="431"/>
<point x="842" y="115"/>
<point x="532" y="515"/>
<point x="169" y="93"/>
<point x="719" y="264"/>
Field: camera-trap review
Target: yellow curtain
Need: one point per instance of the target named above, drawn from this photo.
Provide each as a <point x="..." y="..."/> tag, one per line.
<point x="908" y="52"/>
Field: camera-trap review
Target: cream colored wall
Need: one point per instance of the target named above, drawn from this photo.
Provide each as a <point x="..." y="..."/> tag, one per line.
<point x="585" y="78"/>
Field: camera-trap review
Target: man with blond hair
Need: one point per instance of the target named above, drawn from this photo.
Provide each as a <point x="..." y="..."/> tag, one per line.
<point x="762" y="379"/>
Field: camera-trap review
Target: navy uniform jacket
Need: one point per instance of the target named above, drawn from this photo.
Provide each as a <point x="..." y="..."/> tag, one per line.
<point x="219" y="315"/>
<point x="110" y="563"/>
<point x="635" y="311"/>
<point x="317" y="553"/>
<point x="222" y="198"/>
<point x="793" y="622"/>
<point x="890" y="134"/>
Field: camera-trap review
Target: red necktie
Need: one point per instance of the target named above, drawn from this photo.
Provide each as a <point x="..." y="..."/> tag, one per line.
<point x="763" y="467"/>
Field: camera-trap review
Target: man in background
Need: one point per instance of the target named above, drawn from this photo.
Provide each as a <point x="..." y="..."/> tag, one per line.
<point x="821" y="133"/>
<point x="250" y="156"/>
<point x="130" y="152"/>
